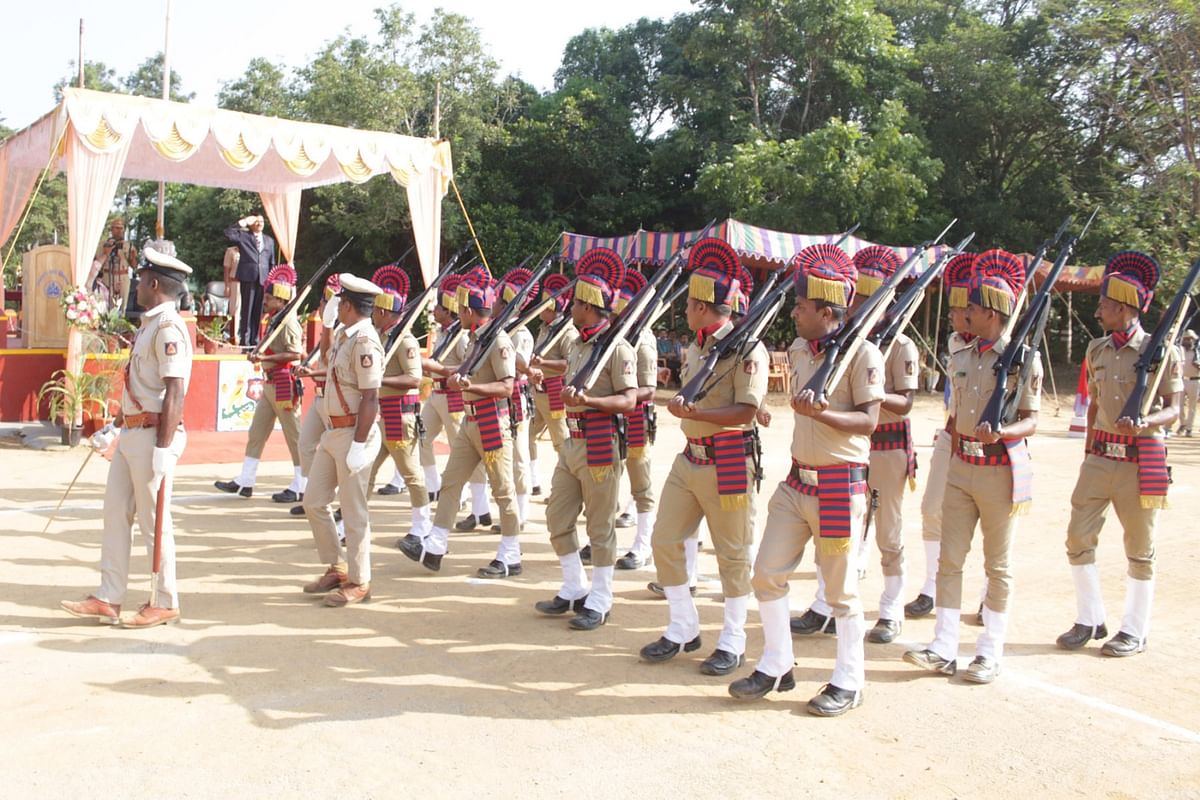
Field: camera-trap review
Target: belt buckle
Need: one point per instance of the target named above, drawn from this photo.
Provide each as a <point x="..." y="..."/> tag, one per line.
<point x="574" y="425"/>
<point x="973" y="449"/>
<point x="808" y="477"/>
<point x="1114" y="450"/>
<point x="698" y="451"/>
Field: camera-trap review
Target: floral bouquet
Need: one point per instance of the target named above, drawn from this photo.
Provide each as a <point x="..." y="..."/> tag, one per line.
<point x="81" y="307"/>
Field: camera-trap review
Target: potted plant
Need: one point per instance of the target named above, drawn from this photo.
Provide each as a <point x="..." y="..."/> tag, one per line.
<point x="212" y="335"/>
<point x="71" y="397"/>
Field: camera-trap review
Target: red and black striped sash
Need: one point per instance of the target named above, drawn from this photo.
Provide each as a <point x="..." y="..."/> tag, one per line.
<point x="728" y="451"/>
<point x="835" y="486"/>
<point x="517" y="405"/>
<point x="897" y="436"/>
<point x="486" y="416"/>
<point x="554" y="387"/>
<point x="282" y="381"/>
<point x="454" y="400"/>
<point x="393" y="408"/>
<point x="1150" y="455"/>
<point x="597" y="430"/>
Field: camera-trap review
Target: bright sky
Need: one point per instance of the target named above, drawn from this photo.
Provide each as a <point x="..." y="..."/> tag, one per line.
<point x="213" y="40"/>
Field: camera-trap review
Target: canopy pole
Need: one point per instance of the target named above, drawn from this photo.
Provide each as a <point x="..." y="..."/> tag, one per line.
<point x="166" y="95"/>
<point x="81" y="53"/>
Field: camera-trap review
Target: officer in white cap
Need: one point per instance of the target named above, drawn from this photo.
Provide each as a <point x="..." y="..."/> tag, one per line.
<point x="151" y="415"/>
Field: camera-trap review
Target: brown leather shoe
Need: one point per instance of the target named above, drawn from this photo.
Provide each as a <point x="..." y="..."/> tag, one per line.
<point x="148" y="616"/>
<point x="347" y="594"/>
<point x="92" y="607"/>
<point x="332" y="579"/>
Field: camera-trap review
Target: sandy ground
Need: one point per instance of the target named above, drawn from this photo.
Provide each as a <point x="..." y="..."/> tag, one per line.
<point x="444" y="685"/>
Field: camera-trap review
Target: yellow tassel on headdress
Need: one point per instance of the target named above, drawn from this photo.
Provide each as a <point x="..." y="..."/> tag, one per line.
<point x="386" y="301"/>
<point x="463" y="296"/>
<point x="868" y="284"/>
<point x="600" y="474"/>
<point x="281" y="291"/>
<point x="959" y="297"/>
<point x="635" y="453"/>
<point x="509" y="292"/>
<point x="831" y="291"/>
<point x="703" y="288"/>
<point x="619" y="304"/>
<point x="589" y="293"/>
<point x="834" y="545"/>
<point x="735" y="502"/>
<point x="996" y="299"/>
<point x="1122" y="291"/>
<point x="450" y="302"/>
<point x="1154" y="501"/>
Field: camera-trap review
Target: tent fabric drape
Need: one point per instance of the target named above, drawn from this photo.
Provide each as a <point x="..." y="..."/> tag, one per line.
<point x="283" y="211"/>
<point x="427" y="183"/>
<point x="92" y="177"/>
<point x="21" y="161"/>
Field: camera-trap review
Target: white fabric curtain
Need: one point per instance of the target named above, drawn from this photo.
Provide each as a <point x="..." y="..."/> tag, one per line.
<point x="92" y="177"/>
<point x="18" y="186"/>
<point x="427" y="184"/>
<point x="283" y="211"/>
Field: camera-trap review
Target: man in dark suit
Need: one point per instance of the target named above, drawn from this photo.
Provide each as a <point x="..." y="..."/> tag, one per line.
<point x="256" y="257"/>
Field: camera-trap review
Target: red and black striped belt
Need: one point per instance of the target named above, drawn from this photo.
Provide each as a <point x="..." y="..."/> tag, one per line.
<point x="976" y="452"/>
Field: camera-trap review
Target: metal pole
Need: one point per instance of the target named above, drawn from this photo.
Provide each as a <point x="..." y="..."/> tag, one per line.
<point x="81" y="52"/>
<point x="166" y="95"/>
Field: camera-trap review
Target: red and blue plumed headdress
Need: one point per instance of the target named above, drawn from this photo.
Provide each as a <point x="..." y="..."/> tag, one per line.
<point x="634" y="282"/>
<point x="957" y="279"/>
<point x="824" y="272"/>
<point x="875" y="264"/>
<point x="997" y="280"/>
<point x="599" y="275"/>
<point x="477" y="290"/>
<point x="714" y="266"/>
<point x="1130" y="278"/>
<point x="513" y="282"/>
<point x="394" y="283"/>
<point x="551" y="285"/>
<point x="281" y="282"/>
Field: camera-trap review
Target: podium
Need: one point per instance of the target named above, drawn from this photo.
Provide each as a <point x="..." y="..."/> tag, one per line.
<point x="45" y="277"/>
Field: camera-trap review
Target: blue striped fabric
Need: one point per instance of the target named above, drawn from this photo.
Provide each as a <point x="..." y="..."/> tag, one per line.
<point x="833" y="494"/>
<point x="392" y="409"/>
<point x="1153" y="477"/>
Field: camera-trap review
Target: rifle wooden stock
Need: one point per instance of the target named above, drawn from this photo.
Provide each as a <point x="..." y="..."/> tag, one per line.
<point x="452" y="334"/>
<point x="1154" y="356"/>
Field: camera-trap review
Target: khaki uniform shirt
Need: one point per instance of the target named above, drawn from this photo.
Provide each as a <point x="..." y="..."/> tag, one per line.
<point x="647" y="359"/>
<point x="522" y="341"/>
<point x="813" y="442"/>
<point x="900" y="374"/>
<point x="1191" y="368"/>
<point x="455" y="355"/>
<point x="972" y="381"/>
<point x="498" y="363"/>
<point x="405" y="362"/>
<point x="745" y="384"/>
<point x="230" y="263"/>
<point x="1111" y="373"/>
<point x="356" y="361"/>
<point x="559" y="351"/>
<point x="289" y="340"/>
<point x="618" y="374"/>
<point x="162" y="349"/>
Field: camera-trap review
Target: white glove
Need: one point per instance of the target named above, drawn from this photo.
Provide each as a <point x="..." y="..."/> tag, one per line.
<point x="329" y="315"/>
<point x="357" y="457"/>
<point x="103" y="438"/>
<point x="163" y="461"/>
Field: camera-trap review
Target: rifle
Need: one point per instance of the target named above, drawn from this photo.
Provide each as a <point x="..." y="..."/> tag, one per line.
<point x="623" y="326"/>
<point x="1038" y="257"/>
<point x="1154" y="355"/>
<point x="897" y="317"/>
<point x="484" y="342"/>
<point x="767" y="303"/>
<point x="276" y="324"/>
<point x="452" y="334"/>
<point x="666" y="293"/>
<point x="537" y="308"/>
<point x="1022" y="349"/>
<point x="416" y="306"/>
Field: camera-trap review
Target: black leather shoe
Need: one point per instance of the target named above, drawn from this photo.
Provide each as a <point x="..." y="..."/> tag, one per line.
<point x="559" y="606"/>
<point x="388" y="489"/>
<point x="1122" y="645"/>
<point x="412" y="541"/>
<point x="811" y="622"/>
<point x="625" y="521"/>
<point x="759" y="684"/>
<point x="498" y="569"/>
<point x="833" y="702"/>
<point x="468" y="523"/>
<point x="721" y="662"/>
<point x="884" y="632"/>
<point x="297" y="511"/>
<point x="921" y="607"/>
<point x="536" y="491"/>
<point x="587" y="620"/>
<point x="1079" y="635"/>
<point x="432" y="562"/>
<point x="287" y="496"/>
<point x="337" y="515"/>
<point x="233" y="487"/>
<point x="631" y="560"/>
<point x="927" y="659"/>
<point x="433" y="496"/>
<point x="585" y="554"/>
<point x="657" y="588"/>
<point x="664" y="649"/>
<point x="494" y="529"/>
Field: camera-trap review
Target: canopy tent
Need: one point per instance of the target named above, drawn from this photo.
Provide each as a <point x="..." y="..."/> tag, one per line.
<point x="99" y="138"/>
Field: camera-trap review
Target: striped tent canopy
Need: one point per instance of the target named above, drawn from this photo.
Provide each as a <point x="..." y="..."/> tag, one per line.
<point x="760" y="248"/>
<point x="1072" y="279"/>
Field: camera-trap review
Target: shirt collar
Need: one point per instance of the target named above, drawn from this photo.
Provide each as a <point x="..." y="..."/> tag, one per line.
<point x="358" y="327"/>
<point x="715" y="333"/>
<point x="161" y="308"/>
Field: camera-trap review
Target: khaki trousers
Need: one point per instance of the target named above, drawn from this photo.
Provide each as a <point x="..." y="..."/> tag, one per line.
<point x="407" y="459"/>
<point x="131" y="493"/>
<point x="233" y="290"/>
<point x="435" y="413"/>
<point x="792" y="520"/>
<point x="689" y="495"/>
<point x="266" y="411"/>
<point x="542" y="421"/>
<point x="466" y="456"/>
<point x="522" y="474"/>
<point x="329" y="477"/>
<point x="1103" y="481"/>
<point x="1191" y="391"/>
<point x="983" y="495"/>
<point x="311" y="428"/>
<point x="889" y="476"/>
<point x="640" y="485"/>
<point x="935" y="488"/>
<point x="572" y="490"/>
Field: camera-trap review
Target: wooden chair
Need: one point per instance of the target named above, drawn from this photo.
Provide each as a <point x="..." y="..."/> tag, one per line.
<point x="779" y="376"/>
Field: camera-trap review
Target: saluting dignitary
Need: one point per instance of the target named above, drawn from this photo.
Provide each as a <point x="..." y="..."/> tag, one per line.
<point x="824" y="496"/>
<point x="990" y="477"/>
<point x="546" y="374"/>
<point x="347" y="448"/>
<point x="484" y="436"/>
<point x="956" y="279"/>
<point x="520" y="405"/>
<point x="712" y="479"/>
<point x="1126" y="461"/>
<point x="399" y="398"/>
<point x="640" y="429"/>
<point x="151" y="416"/>
<point x="588" y="474"/>
<point x="279" y="400"/>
